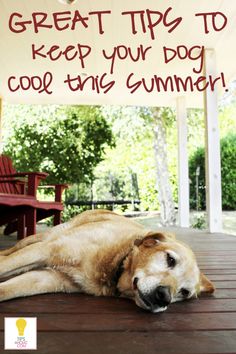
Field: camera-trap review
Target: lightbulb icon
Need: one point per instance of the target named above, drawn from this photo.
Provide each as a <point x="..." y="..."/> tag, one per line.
<point x="21" y="324"/>
<point x="67" y="2"/>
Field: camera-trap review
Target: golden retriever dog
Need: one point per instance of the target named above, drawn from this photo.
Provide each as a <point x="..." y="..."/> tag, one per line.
<point x="103" y="254"/>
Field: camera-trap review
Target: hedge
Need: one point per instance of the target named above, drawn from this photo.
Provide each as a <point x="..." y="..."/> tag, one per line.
<point x="228" y="173"/>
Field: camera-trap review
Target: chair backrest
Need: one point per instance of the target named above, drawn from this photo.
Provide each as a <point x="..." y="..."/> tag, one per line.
<point x="6" y="168"/>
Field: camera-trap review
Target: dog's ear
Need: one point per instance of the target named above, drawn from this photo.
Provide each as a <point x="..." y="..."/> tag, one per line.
<point x="206" y="285"/>
<point x="151" y="239"/>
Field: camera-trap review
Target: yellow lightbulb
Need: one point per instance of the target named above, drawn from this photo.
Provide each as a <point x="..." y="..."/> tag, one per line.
<point x="21" y="324"/>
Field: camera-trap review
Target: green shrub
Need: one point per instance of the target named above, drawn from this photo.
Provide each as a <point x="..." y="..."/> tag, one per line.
<point x="199" y="222"/>
<point x="68" y="213"/>
<point x="228" y="174"/>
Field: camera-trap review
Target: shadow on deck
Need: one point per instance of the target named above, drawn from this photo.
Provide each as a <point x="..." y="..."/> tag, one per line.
<point x="80" y="324"/>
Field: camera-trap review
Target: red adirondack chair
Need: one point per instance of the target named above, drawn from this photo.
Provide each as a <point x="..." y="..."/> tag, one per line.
<point x="19" y="208"/>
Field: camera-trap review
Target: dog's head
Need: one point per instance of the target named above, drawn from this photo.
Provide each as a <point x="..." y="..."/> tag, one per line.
<point x="161" y="270"/>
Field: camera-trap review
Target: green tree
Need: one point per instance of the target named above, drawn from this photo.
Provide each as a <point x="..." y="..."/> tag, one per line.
<point x="141" y="134"/>
<point x="133" y="154"/>
<point x="67" y="144"/>
<point x="161" y="118"/>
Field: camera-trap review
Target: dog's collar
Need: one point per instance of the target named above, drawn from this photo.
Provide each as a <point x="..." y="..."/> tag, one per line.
<point x="118" y="273"/>
<point x="119" y="270"/>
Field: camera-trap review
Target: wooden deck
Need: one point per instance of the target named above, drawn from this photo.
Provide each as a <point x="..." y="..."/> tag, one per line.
<point x="78" y="324"/>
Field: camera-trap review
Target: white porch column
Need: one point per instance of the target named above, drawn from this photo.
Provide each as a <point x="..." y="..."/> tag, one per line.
<point x="183" y="174"/>
<point x="212" y="160"/>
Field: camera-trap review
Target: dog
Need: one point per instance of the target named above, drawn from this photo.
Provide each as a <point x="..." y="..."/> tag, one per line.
<point x="104" y="254"/>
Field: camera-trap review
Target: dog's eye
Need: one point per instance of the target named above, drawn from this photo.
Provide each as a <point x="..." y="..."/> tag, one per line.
<point x="185" y="292"/>
<point x="170" y="261"/>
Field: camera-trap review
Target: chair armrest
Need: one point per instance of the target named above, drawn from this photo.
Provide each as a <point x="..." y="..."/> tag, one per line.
<point x="11" y="180"/>
<point x="33" y="180"/>
<point x="59" y="188"/>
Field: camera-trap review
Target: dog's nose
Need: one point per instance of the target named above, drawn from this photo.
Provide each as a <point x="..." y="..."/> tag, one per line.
<point x="160" y="297"/>
<point x="163" y="295"/>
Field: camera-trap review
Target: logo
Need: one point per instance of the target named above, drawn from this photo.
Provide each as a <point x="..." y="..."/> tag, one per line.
<point x="20" y="333"/>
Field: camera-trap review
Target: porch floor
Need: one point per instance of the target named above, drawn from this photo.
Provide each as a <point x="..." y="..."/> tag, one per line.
<point x="79" y="324"/>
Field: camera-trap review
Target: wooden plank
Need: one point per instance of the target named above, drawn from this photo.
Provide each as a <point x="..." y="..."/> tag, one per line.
<point x="216" y="259"/>
<point x="222" y="252"/>
<point x="225" y="284"/>
<point x="213" y="246"/>
<point x="204" y="304"/>
<point x="216" y="253"/>
<point x="218" y="266"/>
<point x="88" y="304"/>
<point x="224" y="294"/>
<point x="69" y="303"/>
<point x="222" y="277"/>
<point x="214" y="262"/>
<point x="213" y="257"/>
<point x="219" y="271"/>
<point x="203" y="342"/>
<point x="141" y="322"/>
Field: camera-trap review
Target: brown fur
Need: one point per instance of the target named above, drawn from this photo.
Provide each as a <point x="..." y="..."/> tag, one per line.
<point x="85" y="254"/>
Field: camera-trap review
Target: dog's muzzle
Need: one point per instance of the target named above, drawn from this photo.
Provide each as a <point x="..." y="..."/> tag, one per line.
<point x="156" y="300"/>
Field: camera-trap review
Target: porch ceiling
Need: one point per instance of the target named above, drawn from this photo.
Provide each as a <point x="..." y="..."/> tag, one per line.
<point x="16" y="58"/>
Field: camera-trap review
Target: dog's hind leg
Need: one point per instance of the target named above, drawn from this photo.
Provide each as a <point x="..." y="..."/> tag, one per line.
<point x="25" y="259"/>
<point x="36" y="282"/>
<point x="23" y="243"/>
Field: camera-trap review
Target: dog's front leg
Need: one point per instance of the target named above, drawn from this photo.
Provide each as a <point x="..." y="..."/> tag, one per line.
<point x="25" y="259"/>
<point x="36" y="282"/>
